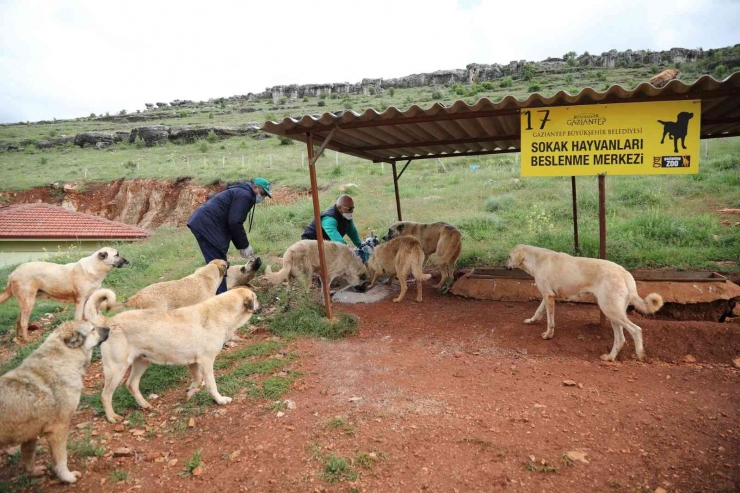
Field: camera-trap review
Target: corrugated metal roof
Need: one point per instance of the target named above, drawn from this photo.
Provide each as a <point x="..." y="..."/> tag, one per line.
<point x="41" y="221"/>
<point x="487" y="127"/>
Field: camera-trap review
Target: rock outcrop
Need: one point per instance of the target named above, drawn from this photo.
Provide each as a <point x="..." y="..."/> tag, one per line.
<point x="91" y="139"/>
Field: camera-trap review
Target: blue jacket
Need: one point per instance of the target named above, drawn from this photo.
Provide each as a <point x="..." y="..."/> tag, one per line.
<point x="221" y="218"/>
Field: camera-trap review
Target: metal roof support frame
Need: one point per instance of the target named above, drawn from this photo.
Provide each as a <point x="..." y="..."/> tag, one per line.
<point x="602" y="228"/>
<point x="577" y="248"/>
<point x="317" y="217"/>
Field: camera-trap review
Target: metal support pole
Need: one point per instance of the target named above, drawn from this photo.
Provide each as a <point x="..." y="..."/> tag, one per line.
<point x="602" y="227"/>
<point x="575" y="215"/>
<point x="319" y="232"/>
<point x="395" y="185"/>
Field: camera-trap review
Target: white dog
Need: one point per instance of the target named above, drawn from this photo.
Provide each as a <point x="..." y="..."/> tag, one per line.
<point x="559" y="275"/>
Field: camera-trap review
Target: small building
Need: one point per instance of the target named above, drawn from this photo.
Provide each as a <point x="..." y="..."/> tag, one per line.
<point x="37" y="231"/>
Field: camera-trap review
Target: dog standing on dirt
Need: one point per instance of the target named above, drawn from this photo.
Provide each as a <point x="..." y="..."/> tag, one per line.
<point x="440" y="238"/>
<point x="242" y="275"/>
<point x="192" y="336"/>
<point x="301" y="260"/>
<point x="168" y="295"/>
<point x="69" y="283"/>
<point x="677" y="130"/>
<point x="40" y="396"/>
<point x="399" y="257"/>
<point x="559" y="275"/>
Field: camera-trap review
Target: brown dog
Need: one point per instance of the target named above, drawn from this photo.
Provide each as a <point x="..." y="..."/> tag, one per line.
<point x="399" y="257"/>
<point x="440" y="238"/>
<point x="40" y="396"/>
<point x="663" y="78"/>
<point x="168" y="295"/>
<point x="69" y="283"/>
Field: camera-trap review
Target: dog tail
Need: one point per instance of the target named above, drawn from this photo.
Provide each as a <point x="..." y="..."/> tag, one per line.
<point x="651" y="304"/>
<point x="279" y="276"/>
<point x="417" y="269"/>
<point x="6" y="294"/>
<point x="108" y="306"/>
<point x="95" y="301"/>
<point x="662" y="122"/>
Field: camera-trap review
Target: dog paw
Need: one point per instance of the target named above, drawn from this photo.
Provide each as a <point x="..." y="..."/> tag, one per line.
<point x="606" y="357"/>
<point x="529" y="321"/>
<point x="396" y="300"/>
<point x="418" y="300"/>
<point x="548" y="334"/>
<point x="67" y="476"/>
<point x="36" y="471"/>
<point x="223" y="400"/>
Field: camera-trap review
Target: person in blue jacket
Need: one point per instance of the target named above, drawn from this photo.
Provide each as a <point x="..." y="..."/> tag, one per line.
<point x="221" y="220"/>
<point x="336" y="222"/>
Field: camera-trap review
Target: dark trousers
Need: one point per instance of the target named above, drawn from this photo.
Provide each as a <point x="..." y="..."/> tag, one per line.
<point x="211" y="252"/>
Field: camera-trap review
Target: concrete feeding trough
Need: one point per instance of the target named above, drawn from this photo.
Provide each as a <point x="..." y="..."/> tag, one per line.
<point x="688" y="295"/>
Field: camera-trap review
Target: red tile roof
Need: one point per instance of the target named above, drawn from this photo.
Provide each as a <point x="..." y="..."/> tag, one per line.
<point x="48" y="221"/>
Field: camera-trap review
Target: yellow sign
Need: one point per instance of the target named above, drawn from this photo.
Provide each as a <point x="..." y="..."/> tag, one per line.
<point x="617" y="139"/>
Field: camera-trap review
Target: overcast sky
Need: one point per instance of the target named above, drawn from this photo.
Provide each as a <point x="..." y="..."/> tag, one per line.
<point x="68" y="59"/>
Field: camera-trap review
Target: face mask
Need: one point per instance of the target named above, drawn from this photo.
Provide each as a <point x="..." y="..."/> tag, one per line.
<point x="259" y="198"/>
<point x="347" y="215"/>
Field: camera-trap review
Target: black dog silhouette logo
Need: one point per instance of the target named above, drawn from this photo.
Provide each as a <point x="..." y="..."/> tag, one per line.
<point x="677" y="130"/>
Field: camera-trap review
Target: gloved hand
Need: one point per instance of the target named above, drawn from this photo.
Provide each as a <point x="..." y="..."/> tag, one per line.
<point x="247" y="252"/>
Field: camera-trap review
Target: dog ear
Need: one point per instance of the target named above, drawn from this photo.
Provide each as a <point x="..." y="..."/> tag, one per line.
<point x="243" y="269"/>
<point x="400" y="227"/>
<point x="103" y="255"/>
<point x="74" y="339"/>
<point x="249" y="303"/>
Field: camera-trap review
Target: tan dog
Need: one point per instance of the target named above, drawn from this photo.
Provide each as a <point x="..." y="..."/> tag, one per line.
<point x="663" y="78"/>
<point x="302" y="259"/>
<point x="168" y="295"/>
<point x="69" y="283"/>
<point x="559" y="275"/>
<point x="440" y="238"/>
<point x="399" y="257"/>
<point x="192" y="336"/>
<point x="40" y="396"/>
<point x="242" y="275"/>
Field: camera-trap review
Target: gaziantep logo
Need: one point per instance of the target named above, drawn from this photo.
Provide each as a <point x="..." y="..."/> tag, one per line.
<point x="586" y="119"/>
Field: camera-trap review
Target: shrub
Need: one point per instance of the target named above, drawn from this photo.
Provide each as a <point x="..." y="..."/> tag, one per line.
<point x="458" y="89"/>
<point x="333" y="96"/>
<point x="283" y="100"/>
<point x="637" y="65"/>
<point x="305" y="99"/>
<point x="534" y="86"/>
<point x="322" y="103"/>
<point x="92" y="115"/>
<point x="569" y="79"/>
<point x="52" y="133"/>
<point x="499" y="202"/>
<point x="654" y="69"/>
<point x="139" y="142"/>
<point x="527" y="72"/>
<point x="43" y="160"/>
<point x="488" y="86"/>
<point x="182" y="114"/>
<point x="391" y="91"/>
<point x="322" y="96"/>
<point x="600" y="75"/>
<point x="285" y="141"/>
<point x="572" y="90"/>
<point x="437" y="94"/>
<point x="505" y="82"/>
<point x="720" y="71"/>
<point x="347" y="103"/>
<point x="622" y="64"/>
<point x="210" y="115"/>
<point x="203" y="147"/>
<point x="212" y="137"/>
<point x="372" y="90"/>
<point x="270" y="117"/>
<point x="122" y="112"/>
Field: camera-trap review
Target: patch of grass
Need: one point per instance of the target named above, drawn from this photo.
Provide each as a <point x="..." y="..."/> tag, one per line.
<point x="23" y="481"/>
<point x="309" y="319"/>
<point x="499" y="202"/>
<point x="476" y="441"/>
<point x="368" y="461"/>
<point x="13" y="458"/>
<point x="135" y="419"/>
<point x="337" y="468"/>
<point x="271" y="388"/>
<point x="84" y="447"/>
<point x="119" y="475"/>
<point x="338" y="423"/>
<point x="259" y="349"/>
<point x="192" y="463"/>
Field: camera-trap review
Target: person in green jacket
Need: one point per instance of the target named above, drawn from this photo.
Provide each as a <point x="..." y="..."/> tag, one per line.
<point x="336" y="223"/>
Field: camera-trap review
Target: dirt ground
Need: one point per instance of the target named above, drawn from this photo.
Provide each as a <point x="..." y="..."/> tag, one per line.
<point x="457" y="395"/>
